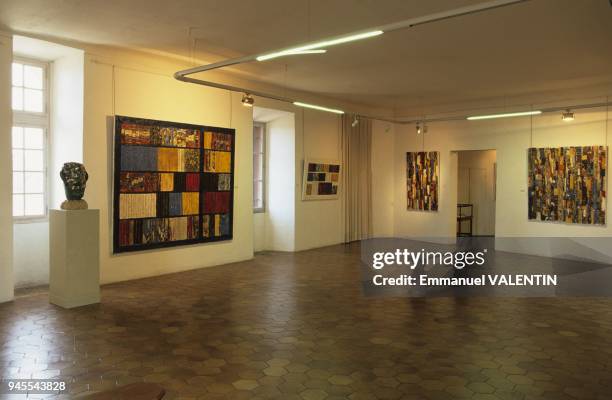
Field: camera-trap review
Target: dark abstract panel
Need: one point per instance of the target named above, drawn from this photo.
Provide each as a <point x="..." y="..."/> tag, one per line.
<point x="568" y="184"/>
<point x="167" y="176"/>
<point x="422" y="179"/>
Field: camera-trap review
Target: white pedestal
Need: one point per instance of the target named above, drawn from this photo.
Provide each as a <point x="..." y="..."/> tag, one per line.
<point x="74" y="256"/>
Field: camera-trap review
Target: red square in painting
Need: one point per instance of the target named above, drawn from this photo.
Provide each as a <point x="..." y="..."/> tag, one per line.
<point x="216" y="202"/>
<point x="192" y="182"/>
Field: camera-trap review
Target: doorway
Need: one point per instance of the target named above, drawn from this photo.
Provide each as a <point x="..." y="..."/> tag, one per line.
<point x="476" y="192"/>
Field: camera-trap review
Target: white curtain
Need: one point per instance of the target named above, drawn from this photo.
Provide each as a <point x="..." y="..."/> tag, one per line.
<point x="357" y="178"/>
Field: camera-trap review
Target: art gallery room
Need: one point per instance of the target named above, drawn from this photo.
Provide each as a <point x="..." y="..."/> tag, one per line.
<point x="305" y="199"/>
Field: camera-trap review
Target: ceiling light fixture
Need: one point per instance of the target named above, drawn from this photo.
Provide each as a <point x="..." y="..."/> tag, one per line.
<point x="247" y="100"/>
<point x="315" y="107"/>
<point x="418" y="128"/>
<point x="297" y="53"/>
<point x="567" y="116"/>
<point x="318" y="45"/>
<point x="355" y="121"/>
<point x="506" y="115"/>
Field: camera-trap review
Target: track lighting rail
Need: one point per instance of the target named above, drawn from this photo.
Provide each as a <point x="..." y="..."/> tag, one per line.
<point x="184" y="75"/>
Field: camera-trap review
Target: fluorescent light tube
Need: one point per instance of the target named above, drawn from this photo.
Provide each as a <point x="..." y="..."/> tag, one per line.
<point x="320" y="51"/>
<point x="516" y="114"/>
<point x="318" y="45"/>
<point x="315" y="107"/>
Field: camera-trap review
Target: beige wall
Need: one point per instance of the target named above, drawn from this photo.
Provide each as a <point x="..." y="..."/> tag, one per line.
<point x="6" y="177"/>
<point x="131" y="83"/>
<point x="117" y="83"/>
<point x="511" y="138"/>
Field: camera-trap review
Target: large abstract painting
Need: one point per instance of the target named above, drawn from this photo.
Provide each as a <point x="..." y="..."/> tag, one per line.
<point x="568" y="184"/>
<point x="423" y="176"/>
<point x="321" y="179"/>
<point x="173" y="184"/>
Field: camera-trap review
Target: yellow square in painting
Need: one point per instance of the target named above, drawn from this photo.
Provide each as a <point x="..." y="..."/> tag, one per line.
<point x="309" y="189"/>
<point x="334" y="177"/>
<point x="208" y="140"/>
<point x="217" y="225"/>
<point x="217" y="161"/>
<point x="141" y="205"/>
<point x="167" y="159"/>
<point x="166" y="182"/>
<point x="191" y="203"/>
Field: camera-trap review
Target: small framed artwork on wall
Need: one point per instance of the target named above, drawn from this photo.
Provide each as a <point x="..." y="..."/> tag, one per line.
<point x="321" y="179"/>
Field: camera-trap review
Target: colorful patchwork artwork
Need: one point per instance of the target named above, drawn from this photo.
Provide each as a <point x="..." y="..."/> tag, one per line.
<point x="422" y="180"/>
<point x="568" y="184"/>
<point x="173" y="184"/>
<point x="321" y="179"/>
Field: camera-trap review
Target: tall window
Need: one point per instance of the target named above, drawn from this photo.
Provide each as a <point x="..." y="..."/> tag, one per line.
<point x="30" y="126"/>
<point x="259" y="136"/>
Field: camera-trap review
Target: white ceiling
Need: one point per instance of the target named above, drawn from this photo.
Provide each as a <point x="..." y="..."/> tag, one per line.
<point x="540" y="45"/>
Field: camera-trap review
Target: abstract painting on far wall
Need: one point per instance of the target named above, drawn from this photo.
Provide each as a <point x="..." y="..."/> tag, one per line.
<point x="173" y="184"/>
<point x="321" y="179"/>
<point x="568" y="184"/>
<point x="423" y="177"/>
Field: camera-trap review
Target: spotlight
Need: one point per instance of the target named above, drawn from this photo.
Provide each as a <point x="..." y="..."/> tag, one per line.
<point x="247" y="100"/>
<point x="355" y="121"/>
<point x="418" y="128"/>
<point x="567" y="116"/>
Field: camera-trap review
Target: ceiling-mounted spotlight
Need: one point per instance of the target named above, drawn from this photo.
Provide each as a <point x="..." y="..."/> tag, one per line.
<point x="355" y="121"/>
<point x="567" y="116"/>
<point x="247" y="100"/>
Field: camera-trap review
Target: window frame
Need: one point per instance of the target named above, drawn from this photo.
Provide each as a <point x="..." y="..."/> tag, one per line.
<point x="263" y="127"/>
<point x="32" y="119"/>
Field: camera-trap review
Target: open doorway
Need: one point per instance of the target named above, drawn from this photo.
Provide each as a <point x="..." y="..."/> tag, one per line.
<point x="476" y="192"/>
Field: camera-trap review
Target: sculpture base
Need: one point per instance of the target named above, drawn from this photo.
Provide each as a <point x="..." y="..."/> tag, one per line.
<point x="74" y="205"/>
<point x="74" y="257"/>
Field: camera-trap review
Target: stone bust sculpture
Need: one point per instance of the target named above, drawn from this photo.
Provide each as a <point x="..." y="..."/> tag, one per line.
<point x="75" y="177"/>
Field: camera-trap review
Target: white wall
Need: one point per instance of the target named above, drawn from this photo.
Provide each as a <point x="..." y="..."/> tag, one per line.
<point x="279" y="225"/>
<point x="117" y="82"/>
<point x="66" y="119"/>
<point x="6" y="178"/>
<point x="31" y="254"/>
<point x="511" y="138"/>
<point x="259" y="231"/>
<point x="319" y="222"/>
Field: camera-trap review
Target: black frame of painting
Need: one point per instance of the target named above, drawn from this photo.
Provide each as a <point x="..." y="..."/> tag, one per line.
<point x="119" y="119"/>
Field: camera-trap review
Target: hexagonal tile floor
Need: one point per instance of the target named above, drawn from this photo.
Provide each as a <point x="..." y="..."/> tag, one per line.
<point x="296" y="326"/>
